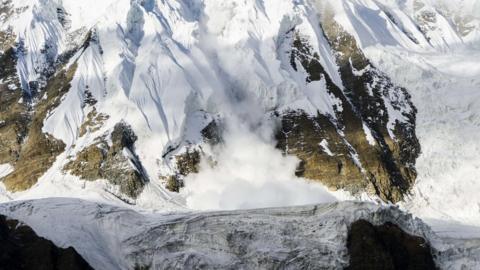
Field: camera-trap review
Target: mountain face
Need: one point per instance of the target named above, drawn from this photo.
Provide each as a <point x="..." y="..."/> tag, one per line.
<point x="208" y="104"/>
<point x="129" y="100"/>
<point x="138" y="96"/>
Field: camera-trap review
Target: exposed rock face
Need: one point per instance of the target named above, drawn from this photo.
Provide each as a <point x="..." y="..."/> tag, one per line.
<point x="14" y="116"/>
<point x="23" y="143"/>
<point x="21" y="248"/>
<point x="376" y="100"/>
<point x="212" y="133"/>
<point x="116" y="162"/>
<point x="360" y="147"/>
<point x="386" y="247"/>
<point x="464" y="24"/>
<point x="38" y="150"/>
<point x="93" y="122"/>
<point x="302" y="135"/>
<point x="189" y="161"/>
<point x="429" y="18"/>
<point x="173" y="183"/>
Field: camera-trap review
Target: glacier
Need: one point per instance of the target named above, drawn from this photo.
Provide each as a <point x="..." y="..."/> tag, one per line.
<point x="111" y="237"/>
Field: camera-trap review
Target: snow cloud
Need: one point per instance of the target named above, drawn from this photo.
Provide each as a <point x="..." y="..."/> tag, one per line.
<point x="250" y="172"/>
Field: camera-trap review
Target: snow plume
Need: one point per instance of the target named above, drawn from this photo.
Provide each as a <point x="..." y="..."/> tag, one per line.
<point x="249" y="171"/>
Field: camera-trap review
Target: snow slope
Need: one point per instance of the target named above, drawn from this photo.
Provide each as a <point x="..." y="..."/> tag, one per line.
<point x="446" y="91"/>
<point x="411" y="24"/>
<point x="168" y="68"/>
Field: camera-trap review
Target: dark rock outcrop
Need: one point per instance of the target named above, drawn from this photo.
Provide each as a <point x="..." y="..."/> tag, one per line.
<point x="212" y="133"/>
<point x="21" y="248"/>
<point x="14" y="116"/>
<point x="386" y="247"/>
<point x="116" y="162"/>
<point x="23" y="144"/>
<point x="38" y="151"/>
<point x="383" y="164"/>
<point x="189" y="161"/>
<point x="6" y="11"/>
<point x="374" y="98"/>
<point x="301" y="135"/>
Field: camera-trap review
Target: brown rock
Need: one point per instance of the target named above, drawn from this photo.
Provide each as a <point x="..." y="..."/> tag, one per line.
<point x="385" y="168"/>
<point x="39" y="150"/>
<point x="104" y="161"/>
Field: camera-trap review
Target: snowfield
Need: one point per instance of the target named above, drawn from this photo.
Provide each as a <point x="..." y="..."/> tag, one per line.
<point x="446" y="91"/>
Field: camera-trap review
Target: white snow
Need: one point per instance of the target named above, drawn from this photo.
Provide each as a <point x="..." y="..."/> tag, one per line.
<point x="111" y="237"/>
<point x="65" y="120"/>
<point x="368" y="135"/>
<point x="5" y="169"/>
<point x="394" y="23"/>
<point x="250" y="173"/>
<point x="86" y="13"/>
<point x="164" y="66"/>
<point x="324" y="145"/>
<point x="442" y="77"/>
<point x="445" y="90"/>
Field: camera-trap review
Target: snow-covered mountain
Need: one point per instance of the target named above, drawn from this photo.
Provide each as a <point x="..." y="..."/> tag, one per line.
<point x="221" y="105"/>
